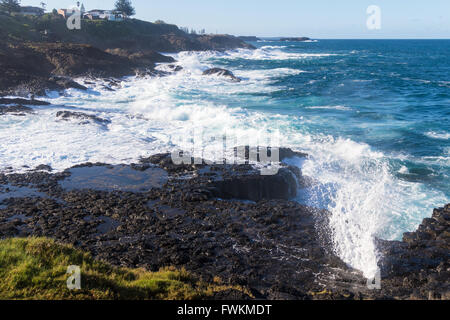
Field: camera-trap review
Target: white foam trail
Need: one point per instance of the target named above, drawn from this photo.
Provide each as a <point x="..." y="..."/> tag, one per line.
<point x="268" y="53"/>
<point x="342" y="108"/>
<point x="438" y="135"/>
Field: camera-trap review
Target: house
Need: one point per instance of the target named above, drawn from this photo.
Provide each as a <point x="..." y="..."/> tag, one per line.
<point x="31" y="11"/>
<point x="63" y="12"/>
<point x="68" y="12"/>
<point x="109" y="15"/>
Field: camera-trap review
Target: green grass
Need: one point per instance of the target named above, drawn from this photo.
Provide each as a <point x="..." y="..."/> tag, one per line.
<point x="35" y="268"/>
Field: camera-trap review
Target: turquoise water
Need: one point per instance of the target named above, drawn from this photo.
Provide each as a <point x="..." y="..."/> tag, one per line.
<point x="392" y="95"/>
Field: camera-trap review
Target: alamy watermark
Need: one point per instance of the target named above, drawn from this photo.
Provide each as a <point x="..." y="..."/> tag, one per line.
<point x="74" y="280"/>
<point x="374" y="19"/>
<point x="375" y="282"/>
<point x="200" y="148"/>
<point x="73" y="18"/>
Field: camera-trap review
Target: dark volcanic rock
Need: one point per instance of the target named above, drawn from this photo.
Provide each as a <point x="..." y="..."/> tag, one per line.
<point x="271" y="247"/>
<point x="299" y="39"/>
<point x="141" y="57"/>
<point x="43" y="167"/>
<point x="221" y="42"/>
<point x="37" y="67"/>
<point x="24" y="102"/>
<point x="15" y="110"/>
<point x="85" y="118"/>
<point x="284" y="153"/>
<point x="222" y="73"/>
<point x="275" y="248"/>
<point x="249" y="38"/>
<point x="66" y="83"/>
<point x="253" y="186"/>
<point x="419" y="266"/>
<point x="175" y="68"/>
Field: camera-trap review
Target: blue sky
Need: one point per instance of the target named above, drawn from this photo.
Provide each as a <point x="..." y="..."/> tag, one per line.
<point x="316" y="19"/>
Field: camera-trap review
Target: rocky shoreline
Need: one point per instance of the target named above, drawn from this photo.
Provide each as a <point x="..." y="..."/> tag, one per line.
<point x="216" y="220"/>
<point x="40" y="55"/>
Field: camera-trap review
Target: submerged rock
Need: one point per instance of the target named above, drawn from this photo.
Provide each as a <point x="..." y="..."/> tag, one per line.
<point x="15" y="110"/>
<point x="419" y="266"/>
<point x="66" y="83"/>
<point x="174" y="67"/>
<point x="83" y="117"/>
<point x="43" y="167"/>
<point x="24" y="102"/>
<point x="298" y="39"/>
<point x="222" y="73"/>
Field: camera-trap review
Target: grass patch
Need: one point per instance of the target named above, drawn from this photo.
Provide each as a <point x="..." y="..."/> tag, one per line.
<point x="35" y="268"/>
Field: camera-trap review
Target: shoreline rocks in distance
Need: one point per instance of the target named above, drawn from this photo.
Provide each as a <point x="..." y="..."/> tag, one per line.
<point x="249" y="38"/>
<point x="17" y="110"/>
<point x="295" y="39"/>
<point x="82" y="117"/>
<point x="30" y="64"/>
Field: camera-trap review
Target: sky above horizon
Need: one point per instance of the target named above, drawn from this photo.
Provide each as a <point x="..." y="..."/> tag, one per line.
<point x="321" y="19"/>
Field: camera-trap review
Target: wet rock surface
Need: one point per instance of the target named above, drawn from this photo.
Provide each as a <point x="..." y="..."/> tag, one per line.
<point x="83" y="118"/>
<point x="17" y="110"/>
<point x="419" y="266"/>
<point x="295" y="39"/>
<point x="275" y="247"/>
<point x="222" y="73"/>
<point x="25" y="102"/>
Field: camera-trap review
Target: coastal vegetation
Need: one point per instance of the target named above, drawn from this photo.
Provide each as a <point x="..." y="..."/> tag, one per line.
<point x="125" y="7"/>
<point x="9" y="6"/>
<point x="36" y="268"/>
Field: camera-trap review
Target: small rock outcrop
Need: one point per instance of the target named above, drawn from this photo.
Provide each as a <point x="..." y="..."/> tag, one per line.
<point x="295" y="39"/>
<point x="82" y="117"/>
<point x="24" y="102"/>
<point x="222" y="73"/>
<point x="419" y="266"/>
<point x="17" y="110"/>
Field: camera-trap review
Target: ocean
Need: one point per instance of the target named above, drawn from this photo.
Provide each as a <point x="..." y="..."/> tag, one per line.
<point x="373" y="115"/>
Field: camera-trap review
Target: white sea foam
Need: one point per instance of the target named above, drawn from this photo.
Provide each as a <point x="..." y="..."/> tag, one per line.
<point x="342" y="108"/>
<point x="438" y="135"/>
<point x="267" y="53"/>
<point x="365" y="199"/>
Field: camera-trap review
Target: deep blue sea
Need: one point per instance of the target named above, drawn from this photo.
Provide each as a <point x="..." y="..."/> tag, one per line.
<point x="374" y="116"/>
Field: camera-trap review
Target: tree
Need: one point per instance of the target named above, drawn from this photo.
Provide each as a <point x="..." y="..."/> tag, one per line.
<point x="125" y="7"/>
<point x="10" y="6"/>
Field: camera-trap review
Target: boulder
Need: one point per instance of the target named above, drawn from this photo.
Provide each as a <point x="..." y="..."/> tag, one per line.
<point x="296" y="39"/>
<point x="83" y="117"/>
<point x="24" y="102"/>
<point x="17" y="110"/>
<point x="221" y="72"/>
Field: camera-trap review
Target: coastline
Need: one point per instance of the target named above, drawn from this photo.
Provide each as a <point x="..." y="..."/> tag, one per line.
<point x="201" y="218"/>
<point x="222" y="221"/>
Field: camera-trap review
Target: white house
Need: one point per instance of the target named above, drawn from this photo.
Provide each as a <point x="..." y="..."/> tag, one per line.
<point x="109" y="15"/>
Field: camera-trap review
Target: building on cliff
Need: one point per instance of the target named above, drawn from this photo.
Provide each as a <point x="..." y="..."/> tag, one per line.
<point x="31" y="11"/>
<point x="109" y="15"/>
